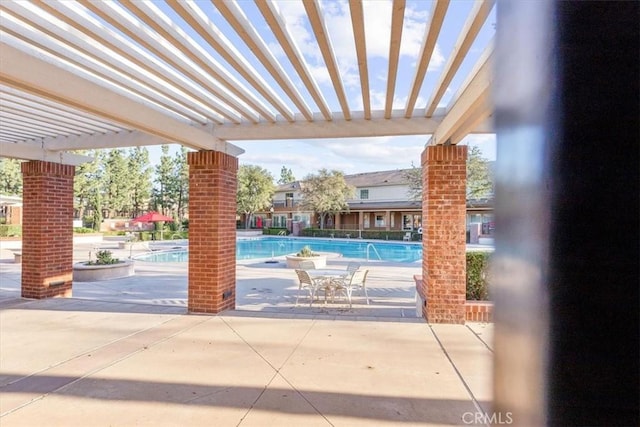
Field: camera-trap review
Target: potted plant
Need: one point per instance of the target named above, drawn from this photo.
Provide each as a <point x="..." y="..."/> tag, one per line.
<point x="104" y="267"/>
<point x="306" y="254"/>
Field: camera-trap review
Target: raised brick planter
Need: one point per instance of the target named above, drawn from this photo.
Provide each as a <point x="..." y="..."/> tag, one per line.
<point x="475" y="311"/>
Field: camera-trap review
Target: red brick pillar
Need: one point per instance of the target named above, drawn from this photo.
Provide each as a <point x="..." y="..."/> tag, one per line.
<point x="212" y="231"/>
<point x="444" y="233"/>
<point x="47" y="229"/>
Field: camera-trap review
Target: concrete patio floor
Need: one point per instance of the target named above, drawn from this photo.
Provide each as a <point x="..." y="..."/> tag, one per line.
<point x="124" y="352"/>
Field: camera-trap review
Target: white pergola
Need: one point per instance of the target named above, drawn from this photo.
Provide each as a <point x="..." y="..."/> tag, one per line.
<point x="103" y="74"/>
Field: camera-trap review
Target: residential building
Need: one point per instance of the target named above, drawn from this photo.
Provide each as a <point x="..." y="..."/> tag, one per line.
<point x="381" y="202"/>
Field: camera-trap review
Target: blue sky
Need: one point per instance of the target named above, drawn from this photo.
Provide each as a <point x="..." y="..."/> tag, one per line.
<point x="353" y="155"/>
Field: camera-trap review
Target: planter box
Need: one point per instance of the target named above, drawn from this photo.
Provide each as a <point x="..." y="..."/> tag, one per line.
<point x="319" y="261"/>
<point x="93" y="273"/>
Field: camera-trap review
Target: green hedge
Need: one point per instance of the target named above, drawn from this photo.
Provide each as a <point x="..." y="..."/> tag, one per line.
<point x="477" y="275"/>
<point x="83" y="230"/>
<point x="274" y="231"/>
<point x="366" y="234"/>
<point x="10" y="230"/>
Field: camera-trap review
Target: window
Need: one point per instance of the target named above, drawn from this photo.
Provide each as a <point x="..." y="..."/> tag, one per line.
<point x="364" y="194"/>
<point x="288" y="197"/>
<point x="379" y="220"/>
<point x="365" y="220"/>
<point x="279" y="221"/>
<point x="305" y="219"/>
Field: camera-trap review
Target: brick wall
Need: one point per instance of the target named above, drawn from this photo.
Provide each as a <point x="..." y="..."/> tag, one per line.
<point x="212" y="231"/>
<point x="475" y="311"/>
<point x="444" y="233"/>
<point x="479" y="311"/>
<point x="47" y="229"/>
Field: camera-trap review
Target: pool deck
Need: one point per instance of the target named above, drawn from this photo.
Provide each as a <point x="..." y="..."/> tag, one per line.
<point x="125" y="352"/>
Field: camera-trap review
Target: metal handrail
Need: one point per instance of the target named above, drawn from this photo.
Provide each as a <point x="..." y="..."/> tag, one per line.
<point x="370" y="246"/>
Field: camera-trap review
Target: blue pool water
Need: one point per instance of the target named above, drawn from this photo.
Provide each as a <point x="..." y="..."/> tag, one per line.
<point x="266" y="247"/>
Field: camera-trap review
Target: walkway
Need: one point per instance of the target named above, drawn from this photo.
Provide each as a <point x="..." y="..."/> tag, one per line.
<point x="98" y="361"/>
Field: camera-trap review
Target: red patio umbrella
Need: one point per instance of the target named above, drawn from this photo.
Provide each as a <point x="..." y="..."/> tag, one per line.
<point x="152" y="217"/>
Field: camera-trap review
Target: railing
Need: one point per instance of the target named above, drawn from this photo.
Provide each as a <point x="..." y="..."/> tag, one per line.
<point x="370" y="246"/>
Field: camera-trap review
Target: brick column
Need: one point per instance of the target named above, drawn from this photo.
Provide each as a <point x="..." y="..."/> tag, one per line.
<point x="212" y="231"/>
<point x="444" y="180"/>
<point x="47" y="229"/>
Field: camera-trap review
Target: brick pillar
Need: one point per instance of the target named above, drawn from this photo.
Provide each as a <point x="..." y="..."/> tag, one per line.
<point x="47" y="229"/>
<point x="444" y="179"/>
<point x="212" y="231"/>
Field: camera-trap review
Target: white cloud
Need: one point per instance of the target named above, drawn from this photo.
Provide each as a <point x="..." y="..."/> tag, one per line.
<point x="349" y="155"/>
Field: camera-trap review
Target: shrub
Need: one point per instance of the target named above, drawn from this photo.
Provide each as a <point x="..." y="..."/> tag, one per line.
<point x="104" y="257"/>
<point x="477" y="272"/>
<point x="306" y="252"/>
<point x="83" y="230"/>
<point x="274" y="231"/>
<point x="10" y="230"/>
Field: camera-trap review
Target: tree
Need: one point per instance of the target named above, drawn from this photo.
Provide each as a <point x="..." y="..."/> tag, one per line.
<point x="255" y="191"/>
<point x="117" y="182"/>
<point x="10" y="177"/>
<point x="181" y="182"/>
<point x="88" y="188"/>
<point x="414" y="180"/>
<point x="326" y="193"/>
<point x="286" y="176"/>
<point x="140" y="177"/>
<point x="165" y="183"/>
<point x="479" y="177"/>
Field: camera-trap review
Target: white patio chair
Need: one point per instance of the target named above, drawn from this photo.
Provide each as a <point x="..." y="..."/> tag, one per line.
<point x="407" y="237"/>
<point x="311" y="285"/>
<point x="307" y="265"/>
<point x="357" y="281"/>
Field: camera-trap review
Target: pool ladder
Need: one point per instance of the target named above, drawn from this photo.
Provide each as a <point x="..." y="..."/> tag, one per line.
<point x="370" y="246"/>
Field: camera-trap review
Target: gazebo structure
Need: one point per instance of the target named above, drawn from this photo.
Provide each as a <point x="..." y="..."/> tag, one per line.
<point x="78" y="75"/>
<point x="87" y="75"/>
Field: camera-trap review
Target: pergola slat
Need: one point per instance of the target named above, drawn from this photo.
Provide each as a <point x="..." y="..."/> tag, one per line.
<point x="322" y="37"/>
<point x="397" y="19"/>
<point x="357" y="21"/>
<point x="436" y="18"/>
<point x="192" y="14"/>
<point x="236" y="18"/>
<point x="472" y="26"/>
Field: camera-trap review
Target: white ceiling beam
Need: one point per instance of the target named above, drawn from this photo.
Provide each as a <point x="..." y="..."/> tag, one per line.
<point x="188" y="56"/>
<point x="19" y="33"/>
<point x="237" y="19"/>
<point x="472" y="26"/>
<point x="198" y="20"/>
<point x="125" y="138"/>
<point x="86" y="27"/>
<point x="58" y="110"/>
<point x="397" y="19"/>
<point x="23" y="108"/>
<point x="172" y="52"/>
<point x="292" y="51"/>
<point x="324" y="42"/>
<point x="33" y="152"/>
<point x="358" y="126"/>
<point x="357" y="22"/>
<point x="471" y="107"/>
<point x="438" y="12"/>
<point x="36" y="76"/>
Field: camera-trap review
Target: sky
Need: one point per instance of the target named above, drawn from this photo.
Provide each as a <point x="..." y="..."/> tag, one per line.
<point x="355" y="155"/>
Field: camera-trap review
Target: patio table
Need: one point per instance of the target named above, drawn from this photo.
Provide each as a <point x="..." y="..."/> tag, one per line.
<point x="327" y="276"/>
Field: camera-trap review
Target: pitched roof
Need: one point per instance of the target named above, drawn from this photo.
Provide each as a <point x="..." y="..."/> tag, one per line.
<point x="364" y="179"/>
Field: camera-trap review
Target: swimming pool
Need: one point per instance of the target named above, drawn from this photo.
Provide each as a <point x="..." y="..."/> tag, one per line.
<point x="266" y="247"/>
